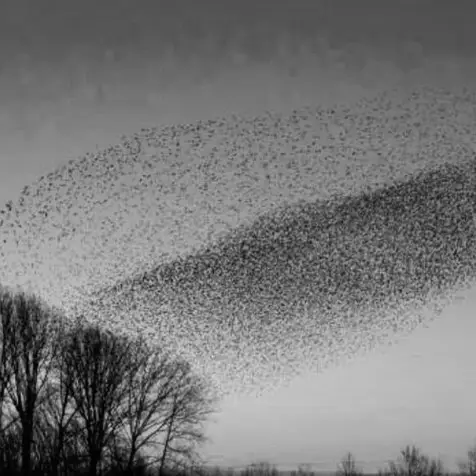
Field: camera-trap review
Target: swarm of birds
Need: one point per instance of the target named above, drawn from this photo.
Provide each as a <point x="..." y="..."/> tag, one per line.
<point x="257" y="247"/>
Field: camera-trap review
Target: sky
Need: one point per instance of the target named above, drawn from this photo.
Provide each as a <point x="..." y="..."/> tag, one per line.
<point x="421" y="390"/>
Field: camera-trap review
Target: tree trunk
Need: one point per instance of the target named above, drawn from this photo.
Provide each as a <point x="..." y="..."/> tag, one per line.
<point x="26" y="449"/>
<point x="94" y="463"/>
<point x="166" y="447"/>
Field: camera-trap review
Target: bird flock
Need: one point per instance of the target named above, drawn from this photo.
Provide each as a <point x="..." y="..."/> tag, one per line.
<point x="257" y="247"/>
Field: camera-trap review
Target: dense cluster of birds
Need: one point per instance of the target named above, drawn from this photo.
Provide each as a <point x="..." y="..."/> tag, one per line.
<point x="257" y="247"/>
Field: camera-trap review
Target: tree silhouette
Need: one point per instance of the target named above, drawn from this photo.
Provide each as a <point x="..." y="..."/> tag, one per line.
<point x="164" y="407"/>
<point x="29" y="346"/>
<point x="75" y="397"/>
<point x="348" y="466"/>
<point x="58" y="417"/>
<point x="190" y="404"/>
<point x="413" y="463"/>
<point x="468" y="468"/>
<point x="97" y="362"/>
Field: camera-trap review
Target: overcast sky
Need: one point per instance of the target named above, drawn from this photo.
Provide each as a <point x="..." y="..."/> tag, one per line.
<point x="421" y="390"/>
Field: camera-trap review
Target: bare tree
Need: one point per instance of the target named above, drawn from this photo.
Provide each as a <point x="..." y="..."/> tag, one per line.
<point x="83" y="394"/>
<point x="74" y="454"/>
<point x="119" y="460"/>
<point x="190" y="403"/>
<point x="29" y="339"/>
<point x="57" y="417"/>
<point x="413" y="463"/>
<point x="304" y="469"/>
<point x="163" y="399"/>
<point x="10" y="449"/>
<point x="348" y="466"/>
<point x="468" y="468"/>
<point x="6" y="372"/>
<point x="7" y="441"/>
<point x="98" y="362"/>
<point x="146" y="388"/>
<point x="261" y="468"/>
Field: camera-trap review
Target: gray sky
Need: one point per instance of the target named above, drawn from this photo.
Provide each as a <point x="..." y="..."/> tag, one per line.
<point x="421" y="390"/>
